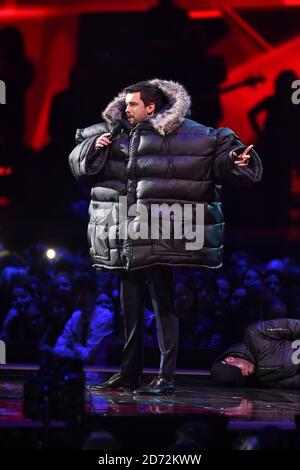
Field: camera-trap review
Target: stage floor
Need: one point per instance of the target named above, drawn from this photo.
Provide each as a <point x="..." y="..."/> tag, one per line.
<point x="245" y="409"/>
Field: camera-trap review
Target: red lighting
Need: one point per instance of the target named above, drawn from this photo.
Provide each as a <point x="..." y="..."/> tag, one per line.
<point x="204" y="14"/>
<point x="14" y="12"/>
<point x="4" y="201"/>
<point x="6" y="170"/>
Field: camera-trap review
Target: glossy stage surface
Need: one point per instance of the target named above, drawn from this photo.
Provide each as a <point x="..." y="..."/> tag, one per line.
<point x="245" y="409"/>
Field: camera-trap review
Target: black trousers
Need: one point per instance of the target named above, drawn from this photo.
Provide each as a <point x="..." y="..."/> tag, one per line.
<point x="160" y="283"/>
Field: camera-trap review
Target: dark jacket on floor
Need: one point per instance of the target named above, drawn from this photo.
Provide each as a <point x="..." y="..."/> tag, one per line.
<point x="269" y="345"/>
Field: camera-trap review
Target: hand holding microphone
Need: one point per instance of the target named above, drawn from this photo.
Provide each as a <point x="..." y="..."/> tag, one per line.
<point x="106" y="139"/>
<point x="103" y="140"/>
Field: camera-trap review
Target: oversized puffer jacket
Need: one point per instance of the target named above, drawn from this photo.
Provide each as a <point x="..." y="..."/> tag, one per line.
<point x="165" y="160"/>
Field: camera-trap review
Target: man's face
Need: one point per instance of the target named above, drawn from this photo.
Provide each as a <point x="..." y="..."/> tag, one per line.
<point x="136" y="111"/>
<point x="237" y="298"/>
<point x="252" y="279"/>
<point x="272" y="283"/>
<point x="104" y="301"/>
<point x="63" y="283"/>
<point x="246" y="367"/>
<point x="20" y="299"/>
<point x="57" y="311"/>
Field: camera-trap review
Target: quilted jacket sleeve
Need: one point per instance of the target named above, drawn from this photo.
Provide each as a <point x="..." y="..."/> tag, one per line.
<point x="224" y="169"/>
<point x="86" y="162"/>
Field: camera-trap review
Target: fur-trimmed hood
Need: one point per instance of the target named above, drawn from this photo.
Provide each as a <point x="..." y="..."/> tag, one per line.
<point x="169" y="116"/>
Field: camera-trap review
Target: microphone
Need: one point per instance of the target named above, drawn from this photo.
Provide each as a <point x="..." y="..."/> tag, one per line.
<point x="115" y="130"/>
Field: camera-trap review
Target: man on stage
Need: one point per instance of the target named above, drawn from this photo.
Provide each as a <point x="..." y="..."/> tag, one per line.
<point x="155" y="203"/>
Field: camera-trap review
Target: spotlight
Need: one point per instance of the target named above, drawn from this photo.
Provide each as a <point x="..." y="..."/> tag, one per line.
<point x="51" y="254"/>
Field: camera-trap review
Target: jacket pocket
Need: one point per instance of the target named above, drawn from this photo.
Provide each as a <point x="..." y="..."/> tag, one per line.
<point x="99" y="229"/>
<point x="98" y="241"/>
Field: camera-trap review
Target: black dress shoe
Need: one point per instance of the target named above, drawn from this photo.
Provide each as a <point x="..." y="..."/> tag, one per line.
<point x="160" y="386"/>
<point x="118" y="381"/>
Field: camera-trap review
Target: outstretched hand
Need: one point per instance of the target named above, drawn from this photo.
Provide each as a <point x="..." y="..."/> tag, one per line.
<point x="243" y="158"/>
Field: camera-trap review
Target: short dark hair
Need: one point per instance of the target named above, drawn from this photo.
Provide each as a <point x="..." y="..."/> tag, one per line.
<point x="149" y="93"/>
<point x="226" y="375"/>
